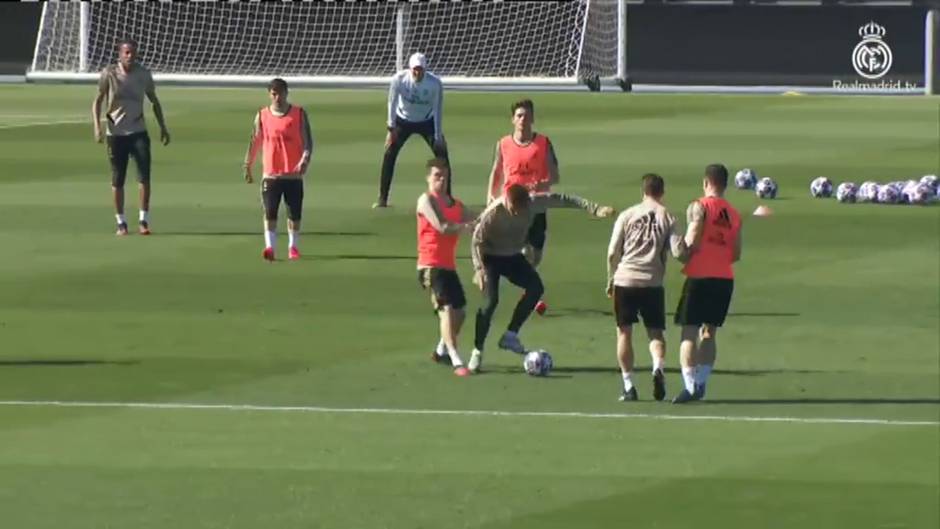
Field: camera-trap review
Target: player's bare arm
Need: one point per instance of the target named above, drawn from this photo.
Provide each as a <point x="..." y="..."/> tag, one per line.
<point x="561" y="200"/>
<point x="696" y="220"/>
<point x="158" y="113"/>
<point x="496" y="177"/>
<point x="738" y="243"/>
<point x="430" y="210"/>
<point x="254" y="145"/>
<point x="301" y="168"/>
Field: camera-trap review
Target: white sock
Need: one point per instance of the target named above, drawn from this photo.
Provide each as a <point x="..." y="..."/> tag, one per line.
<point x="658" y="364"/>
<point x="454" y="357"/>
<point x="270" y="237"/>
<point x="120" y="219"/>
<point x="441" y="348"/>
<point x="627" y="379"/>
<point x="701" y="374"/>
<point x="293" y="237"/>
<point x="688" y="378"/>
<point x="144" y="215"/>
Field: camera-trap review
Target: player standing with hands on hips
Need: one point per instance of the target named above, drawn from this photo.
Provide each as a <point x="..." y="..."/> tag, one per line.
<point x="124" y="85"/>
<point x="415" y="106"/>
<point x="284" y="132"/>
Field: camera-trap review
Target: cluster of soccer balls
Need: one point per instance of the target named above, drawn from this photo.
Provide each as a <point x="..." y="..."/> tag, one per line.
<point x="765" y="187"/>
<point x="921" y="191"/>
<point x="538" y="363"/>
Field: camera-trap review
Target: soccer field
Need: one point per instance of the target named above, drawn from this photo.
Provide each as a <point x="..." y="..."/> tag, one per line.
<point x="180" y="381"/>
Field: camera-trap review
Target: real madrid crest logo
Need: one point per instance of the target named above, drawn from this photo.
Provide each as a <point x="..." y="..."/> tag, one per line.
<point x="872" y="57"/>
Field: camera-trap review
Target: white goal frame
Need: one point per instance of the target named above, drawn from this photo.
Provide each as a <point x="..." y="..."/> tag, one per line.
<point x="615" y="74"/>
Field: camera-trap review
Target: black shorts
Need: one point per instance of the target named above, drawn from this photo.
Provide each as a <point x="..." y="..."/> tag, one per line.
<point x="292" y="189"/>
<point x="446" y="290"/>
<point x="704" y="301"/>
<point x="632" y="302"/>
<point x="536" y="235"/>
<point x="121" y="149"/>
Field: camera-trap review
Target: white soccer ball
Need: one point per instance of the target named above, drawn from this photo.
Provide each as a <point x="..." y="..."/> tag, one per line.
<point x="908" y="190"/>
<point x="868" y="192"/>
<point x="921" y="194"/>
<point x="766" y="188"/>
<point x="888" y="194"/>
<point x="745" y="179"/>
<point x="821" y="187"/>
<point x="930" y="180"/>
<point x="846" y="192"/>
<point x="538" y="363"/>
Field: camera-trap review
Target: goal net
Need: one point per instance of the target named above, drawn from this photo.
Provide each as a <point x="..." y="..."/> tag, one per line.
<point x="473" y="43"/>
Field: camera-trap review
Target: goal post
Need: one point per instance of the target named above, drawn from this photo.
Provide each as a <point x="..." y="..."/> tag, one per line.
<point x="468" y="43"/>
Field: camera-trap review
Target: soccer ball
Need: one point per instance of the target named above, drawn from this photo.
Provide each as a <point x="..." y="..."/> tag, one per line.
<point x="538" y="363"/>
<point x="930" y="180"/>
<point x="846" y="192"/>
<point x="908" y="190"/>
<point x="821" y="187"/>
<point x="888" y="194"/>
<point x="868" y="192"/>
<point x="745" y="179"/>
<point x="921" y="194"/>
<point x="766" y="188"/>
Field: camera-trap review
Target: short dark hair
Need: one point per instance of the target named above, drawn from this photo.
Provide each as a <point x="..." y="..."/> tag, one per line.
<point x="277" y="84"/>
<point x="717" y="174"/>
<point x="127" y="41"/>
<point x="653" y="185"/>
<point x="524" y="103"/>
<point x="518" y="196"/>
<point x="440" y="163"/>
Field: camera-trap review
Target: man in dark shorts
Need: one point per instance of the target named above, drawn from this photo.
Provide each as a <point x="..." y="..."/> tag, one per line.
<point x="497" y="246"/>
<point x="636" y="263"/>
<point x="714" y="239"/>
<point x="441" y="219"/>
<point x="124" y="86"/>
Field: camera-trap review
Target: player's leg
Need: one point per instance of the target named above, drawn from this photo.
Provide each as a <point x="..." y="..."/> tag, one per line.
<point x="653" y="311"/>
<point x="689" y="317"/>
<point x="403" y="131"/>
<point x="520" y="272"/>
<point x="451" y="300"/>
<point x="625" y="314"/>
<point x="118" y="157"/>
<point x="294" y="199"/>
<point x="706" y="351"/>
<point x="140" y="151"/>
<point x="535" y="249"/>
<point x="427" y="132"/>
<point x="271" y="191"/>
<point x="492" y="270"/>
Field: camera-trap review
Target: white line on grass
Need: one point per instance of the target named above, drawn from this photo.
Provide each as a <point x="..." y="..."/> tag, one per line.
<point x="41" y="123"/>
<point x="486" y="413"/>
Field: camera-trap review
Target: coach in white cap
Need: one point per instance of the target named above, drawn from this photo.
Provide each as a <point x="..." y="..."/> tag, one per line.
<point x="415" y="103"/>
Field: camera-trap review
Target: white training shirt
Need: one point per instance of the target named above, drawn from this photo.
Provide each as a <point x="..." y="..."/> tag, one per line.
<point x="416" y="101"/>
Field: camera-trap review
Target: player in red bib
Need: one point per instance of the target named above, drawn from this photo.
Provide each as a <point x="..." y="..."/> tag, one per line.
<point x="441" y="219"/>
<point x="527" y="158"/>
<point x="284" y="132"/>
<point x="714" y="239"/>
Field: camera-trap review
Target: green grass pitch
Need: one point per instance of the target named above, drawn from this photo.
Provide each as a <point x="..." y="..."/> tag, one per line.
<point x="835" y="316"/>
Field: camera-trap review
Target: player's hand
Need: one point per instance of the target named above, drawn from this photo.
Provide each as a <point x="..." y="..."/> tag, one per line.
<point x="301" y="166"/>
<point x="479" y="279"/>
<point x="248" y="177"/>
<point x="99" y="138"/>
<point x="610" y="291"/>
<point x="164" y="136"/>
<point x="605" y="211"/>
<point x="390" y="138"/>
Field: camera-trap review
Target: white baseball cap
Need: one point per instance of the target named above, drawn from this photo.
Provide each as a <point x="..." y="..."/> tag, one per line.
<point x="418" y="60"/>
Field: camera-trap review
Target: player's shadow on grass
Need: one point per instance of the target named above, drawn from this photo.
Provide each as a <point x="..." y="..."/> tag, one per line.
<point x="66" y="363"/>
<point x="255" y="233"/>
<point x="672" y="370"/>
<point x="557" y="313"/>
<point x="810" y="400"/>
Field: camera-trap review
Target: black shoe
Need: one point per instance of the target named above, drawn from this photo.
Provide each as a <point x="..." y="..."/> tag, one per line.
<point x="659" y="385"/>
<point x="683" y="397"/>
<point x="699" y="393"/>
<point x="441" y="360"/>
<point x="628" y="396"/>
